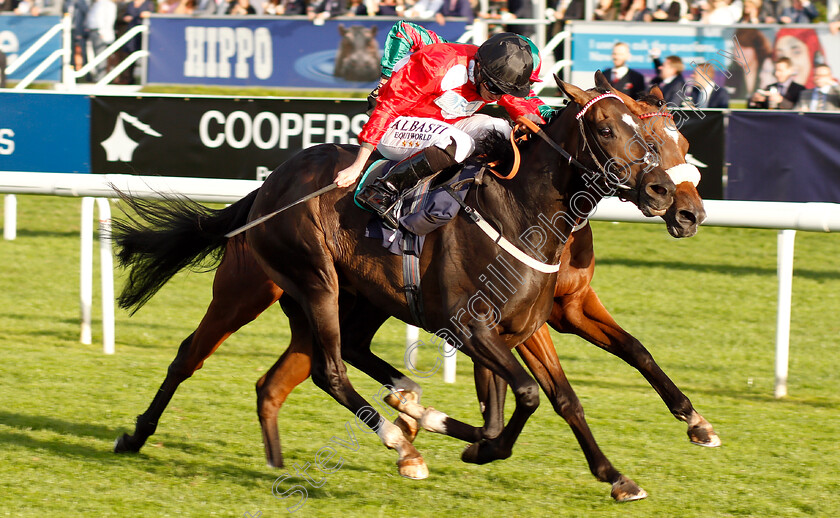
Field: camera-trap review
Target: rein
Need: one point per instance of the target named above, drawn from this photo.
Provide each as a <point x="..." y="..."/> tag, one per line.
<point x="495" y="235"/>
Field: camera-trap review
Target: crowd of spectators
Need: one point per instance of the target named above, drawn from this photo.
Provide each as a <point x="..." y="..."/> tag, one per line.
<point x="96" y="23"/>
<point x="720" y="12"/>
<point x="702" y="90"/>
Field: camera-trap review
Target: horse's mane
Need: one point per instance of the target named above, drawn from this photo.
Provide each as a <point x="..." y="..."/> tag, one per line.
<point x="494" y="146"/>
<point x="652" y="100"/>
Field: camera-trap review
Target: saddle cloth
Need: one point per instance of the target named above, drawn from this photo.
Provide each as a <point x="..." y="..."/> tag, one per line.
<point x="421" y="210"/>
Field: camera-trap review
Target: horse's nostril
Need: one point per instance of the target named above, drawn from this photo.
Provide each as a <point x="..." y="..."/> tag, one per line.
<point x="688" y="217"/>
<point x="658" y="189"/>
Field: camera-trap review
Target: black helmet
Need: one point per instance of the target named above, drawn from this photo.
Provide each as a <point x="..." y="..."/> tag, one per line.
<point x="505" y="61"/>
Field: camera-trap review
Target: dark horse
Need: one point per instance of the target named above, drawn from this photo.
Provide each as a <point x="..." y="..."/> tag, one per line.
<point x="338" y="262"/>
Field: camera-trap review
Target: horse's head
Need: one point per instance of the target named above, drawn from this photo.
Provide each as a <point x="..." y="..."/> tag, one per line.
<point x="683" y="216"/>
<point x="613" y="145"/>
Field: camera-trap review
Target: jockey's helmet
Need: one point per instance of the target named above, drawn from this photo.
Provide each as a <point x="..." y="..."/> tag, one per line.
<point x="505" y="61"/>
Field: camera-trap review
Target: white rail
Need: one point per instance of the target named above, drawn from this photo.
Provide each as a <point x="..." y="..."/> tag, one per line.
<point x="786" y="217"/>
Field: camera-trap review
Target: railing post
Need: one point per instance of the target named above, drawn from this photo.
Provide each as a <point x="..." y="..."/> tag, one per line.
<point x="106" y="266"/>
<point x="68" y="72"/>
<point x="86" y="269"/>
<point x="10" y="218"/>
<point x="785" y="272"/>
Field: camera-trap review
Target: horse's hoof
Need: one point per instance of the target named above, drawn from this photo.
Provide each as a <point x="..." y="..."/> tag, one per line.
<point x="414" y="468"/>
<point x="408" y="425"/>
<point x="482" y="452"/>
<point x="123" y="445"/>
<point x="625" y="490"/>
<point x="703" y="437"/>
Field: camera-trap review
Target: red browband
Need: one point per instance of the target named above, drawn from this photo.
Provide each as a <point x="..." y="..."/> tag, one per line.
<point x="656" y="114"/>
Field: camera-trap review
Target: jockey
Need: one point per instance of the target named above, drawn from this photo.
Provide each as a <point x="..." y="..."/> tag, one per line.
<point x="426" y="115"/>
<point x="406" y="37"/>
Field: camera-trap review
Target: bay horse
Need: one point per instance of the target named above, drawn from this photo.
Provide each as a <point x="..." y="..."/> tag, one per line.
<point x="495" y="447"/>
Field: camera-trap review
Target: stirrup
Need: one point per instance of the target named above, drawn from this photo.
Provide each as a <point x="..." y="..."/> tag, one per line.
<point x="383" y="200"/>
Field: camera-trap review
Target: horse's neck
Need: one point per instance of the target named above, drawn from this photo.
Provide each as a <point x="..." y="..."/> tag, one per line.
<point x="538" y="196"/>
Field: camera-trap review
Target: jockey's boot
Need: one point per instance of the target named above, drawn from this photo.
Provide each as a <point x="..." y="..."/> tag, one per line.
<point x="382" y="195"/>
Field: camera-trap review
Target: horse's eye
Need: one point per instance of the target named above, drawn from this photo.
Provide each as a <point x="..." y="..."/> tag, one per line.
<point x="605" y="132"/>
<point x="652" y="146"/>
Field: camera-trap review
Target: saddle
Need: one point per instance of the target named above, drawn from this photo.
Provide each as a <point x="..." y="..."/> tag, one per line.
<point x="429" y="205"/>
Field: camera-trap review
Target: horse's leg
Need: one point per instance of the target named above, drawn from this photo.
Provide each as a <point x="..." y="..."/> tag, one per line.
<point x="541" y="358"/>
<point x="584" y="315"/>
<point x="290" y="370"/>
<point x="240" y="294"/>
<point x="486" y="349"/>
<point x="328" y="370"/>
<point x="490" y="390"/>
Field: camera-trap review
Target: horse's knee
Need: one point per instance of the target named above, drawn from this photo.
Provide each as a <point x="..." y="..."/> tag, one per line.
<point x="528" y="395"/>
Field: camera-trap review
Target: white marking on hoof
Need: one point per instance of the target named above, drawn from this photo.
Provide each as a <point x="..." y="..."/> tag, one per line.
<point x="714" y="442"/>
<point x="642" y="494"/>
<point x="433" y="421"/>
<point x="415" y="469"/>
<point x="390" y="434"/>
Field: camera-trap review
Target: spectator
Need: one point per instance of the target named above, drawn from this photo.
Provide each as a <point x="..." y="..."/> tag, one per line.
<point x="100" y="22"/>
<point x="28" y="7"/>
<point x="834" y="24"/>
<point x="356" y="8"/>
<point x="771" y="10"/>
<point x="800" y="11"/>
<point x="781" y="95"/>
<point x="636" y="11"/>
<point x="825" y="96"/>
<point x="185" y="7"/>
<point x="672" y="11"/>
<point x="7" y="6"/>
<point x="135" y="12"/>
<point x="605" y="10"/>
<point x="390" y="8"/>
<point x="240" y="8"/>
<point x="752" y="12"/>
<point x="321" y="10"/>
<point x="167" y="6"/>
<point x="209" y="7"/>
<point x="77" y="10"/>
<point x="706" y="93"/>
<point x="424" y="9"/>
<point x="451" y="8"/>
<point x="621" y="76"/>
<point x="723" y="12"/>
<point x="669" y="79"/>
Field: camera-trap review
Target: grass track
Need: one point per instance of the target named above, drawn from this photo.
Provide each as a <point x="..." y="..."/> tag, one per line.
<point x="704" y="307"/>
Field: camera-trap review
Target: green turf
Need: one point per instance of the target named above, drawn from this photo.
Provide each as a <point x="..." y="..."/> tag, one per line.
<point x="705" y="307"/>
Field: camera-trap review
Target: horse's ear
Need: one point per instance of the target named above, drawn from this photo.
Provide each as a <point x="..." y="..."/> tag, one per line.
<point x="571" y="91"/>
<point x="656" y="92"/>
<point x="341" y="30"/>
<point x="631" y="103"/>
<point x="602" y="82"/>
<point x="373" y="29"/>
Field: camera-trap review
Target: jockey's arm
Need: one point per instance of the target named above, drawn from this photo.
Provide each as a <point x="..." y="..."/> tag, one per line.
<point x="410" y="86"/>
<point x="403" y="39"/>
<point x="531" y="107"/>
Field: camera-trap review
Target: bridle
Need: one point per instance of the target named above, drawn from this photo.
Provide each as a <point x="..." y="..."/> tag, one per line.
<point x="649" y="159"/>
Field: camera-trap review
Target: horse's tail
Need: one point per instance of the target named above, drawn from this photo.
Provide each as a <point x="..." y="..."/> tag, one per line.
<point x="162" y="238"/>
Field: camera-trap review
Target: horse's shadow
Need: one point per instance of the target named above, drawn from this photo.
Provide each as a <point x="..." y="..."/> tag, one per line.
<point x="16" y="426"/>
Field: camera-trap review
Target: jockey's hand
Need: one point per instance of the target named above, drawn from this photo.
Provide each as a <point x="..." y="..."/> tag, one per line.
<point x="533" y="117"/>
<point x="347" y="176"/>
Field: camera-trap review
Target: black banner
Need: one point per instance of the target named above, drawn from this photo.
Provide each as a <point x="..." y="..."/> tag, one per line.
<point x="783" y="156"/>
<point x="705" y="134"/>
<point x="213" y="137"/>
